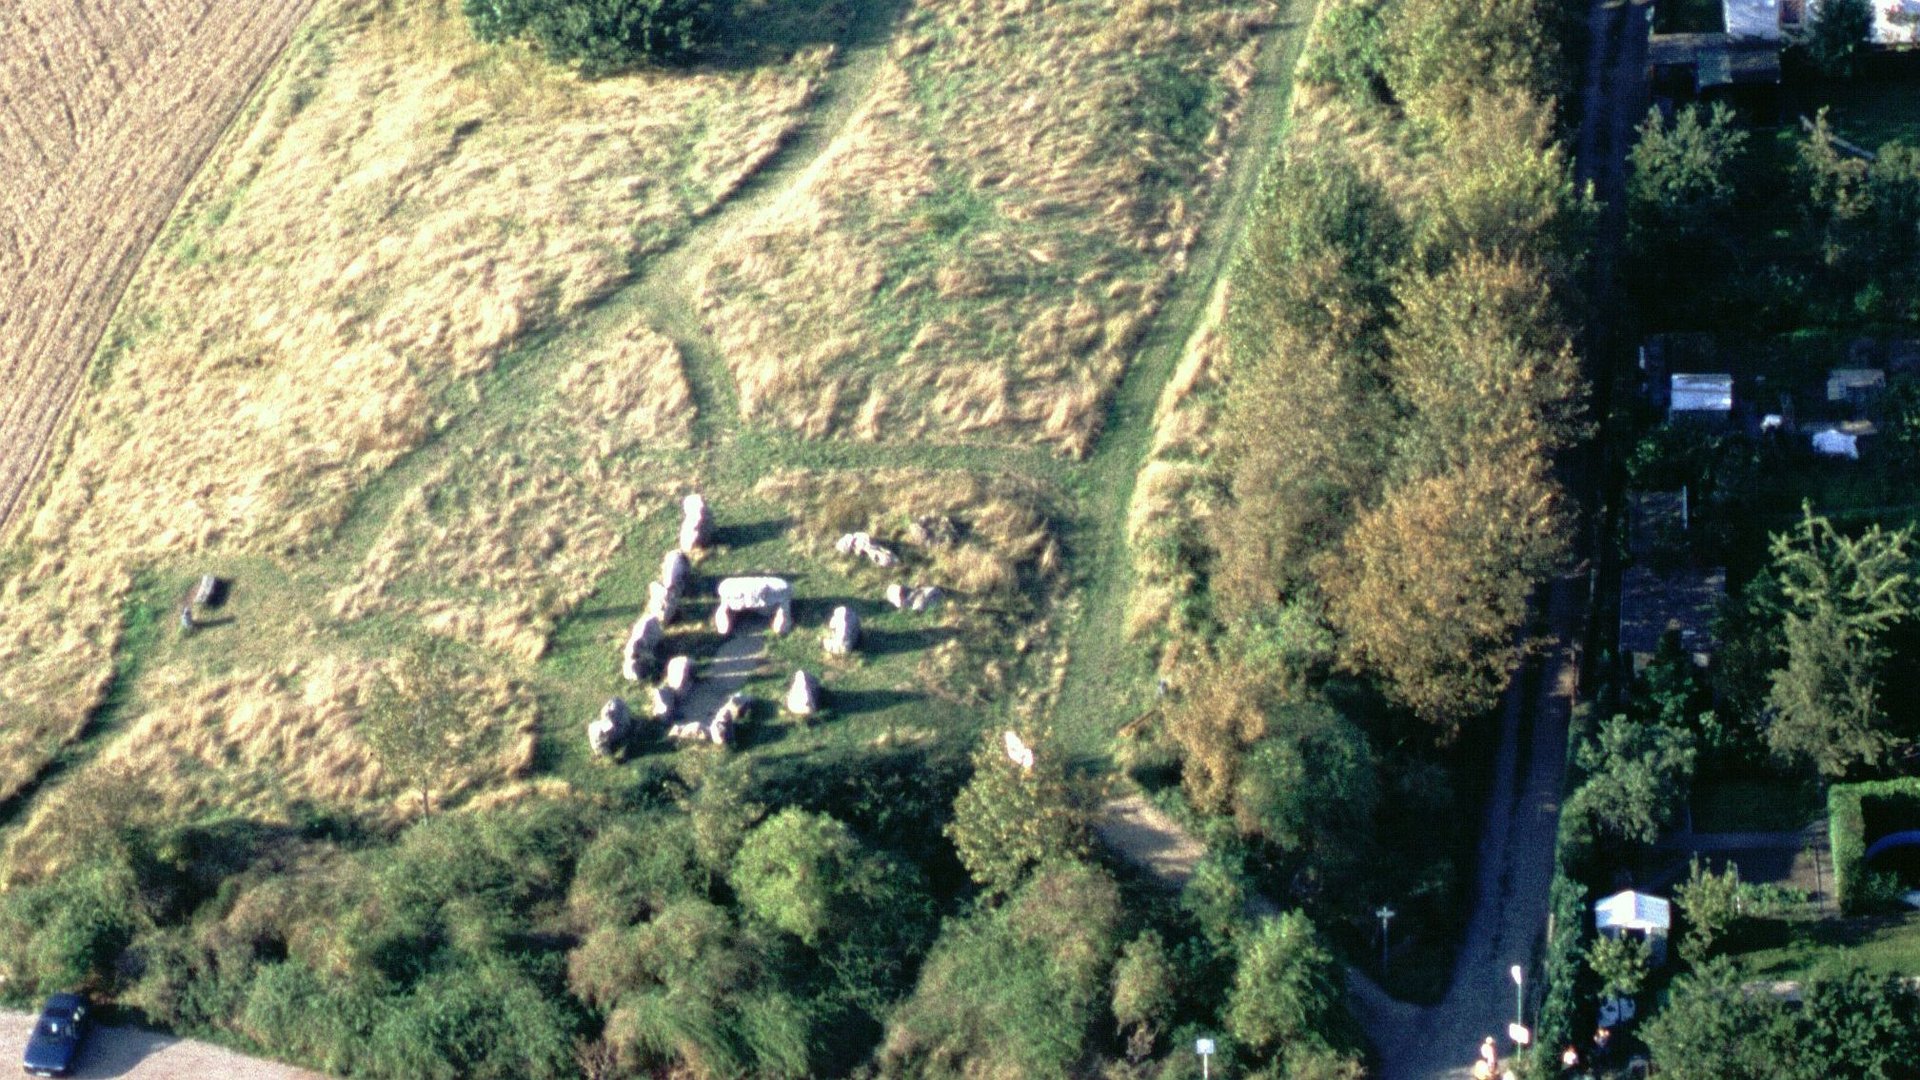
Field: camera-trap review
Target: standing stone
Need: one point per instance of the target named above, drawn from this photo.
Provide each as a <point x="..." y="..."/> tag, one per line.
<point x="723" y="620"/>
<point x="641" y="642"/>
<point x="803" y="697"/>
<point x="679" y="675"/>
<point x="662" y="602"/>
<point x="695" y="524"/>
<point x="720" y="728"/>
<point x="662" y="703"/>
<point x="611" y="727"/>
<point x="843" y="632"/>
<point x="675" y="569"/>
<point x="783" y="619"/>
<point x="897" y="595"/>
<point x="924" y="598"/>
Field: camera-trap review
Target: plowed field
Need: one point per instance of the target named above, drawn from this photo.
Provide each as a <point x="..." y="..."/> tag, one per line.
<point x="107" y="109"/>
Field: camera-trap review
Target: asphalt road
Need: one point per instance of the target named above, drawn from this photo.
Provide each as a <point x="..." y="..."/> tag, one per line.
<point x="146" y="1055"/>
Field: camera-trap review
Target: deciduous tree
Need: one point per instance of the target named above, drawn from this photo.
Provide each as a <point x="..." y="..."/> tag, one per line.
<point x="1010" y="819"/>
<point x="1843" y="594"/>
<point x="1431" y="585"/>
<point x="417" y="725"/>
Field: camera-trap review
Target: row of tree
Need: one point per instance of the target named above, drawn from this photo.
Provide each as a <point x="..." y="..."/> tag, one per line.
<point x="1402" y="370"/>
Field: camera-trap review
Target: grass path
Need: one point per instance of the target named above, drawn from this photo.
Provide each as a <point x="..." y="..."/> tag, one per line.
<point x="1107" y="678"/>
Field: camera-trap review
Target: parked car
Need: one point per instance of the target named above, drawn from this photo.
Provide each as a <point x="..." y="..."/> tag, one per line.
<point x="55" y="1043"/>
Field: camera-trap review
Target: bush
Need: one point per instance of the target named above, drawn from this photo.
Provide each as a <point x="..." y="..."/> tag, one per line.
<point x="599" y="33"/>
<point x="69" y="930"/>
<point x="1014" y="991"/>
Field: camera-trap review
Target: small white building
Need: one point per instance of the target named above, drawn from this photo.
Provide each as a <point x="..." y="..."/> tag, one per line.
<point x="1636" y="914"/>
<point x="1700" y="397"/>
<point x="1895" y="22"/>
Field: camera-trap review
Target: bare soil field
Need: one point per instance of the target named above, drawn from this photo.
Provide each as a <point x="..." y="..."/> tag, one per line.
<point x="107" y="110"/>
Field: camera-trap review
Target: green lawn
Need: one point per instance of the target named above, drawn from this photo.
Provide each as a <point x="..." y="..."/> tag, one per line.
<point x="1803" y="948"/>
<point x="1874" y="111"/>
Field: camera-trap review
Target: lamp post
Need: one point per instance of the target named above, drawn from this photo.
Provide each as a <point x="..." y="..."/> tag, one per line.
<point x="1519" y="995"/>
<point x="1203" y="1047"/>
<point x="1385" y="914"/>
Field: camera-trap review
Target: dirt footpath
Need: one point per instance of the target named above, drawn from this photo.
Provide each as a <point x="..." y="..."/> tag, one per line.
<point x="107" y="110"/>
<point x="146" y="1055"/>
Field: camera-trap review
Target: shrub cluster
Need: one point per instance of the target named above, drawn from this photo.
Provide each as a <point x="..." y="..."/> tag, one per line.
<point x="599" y="33"/>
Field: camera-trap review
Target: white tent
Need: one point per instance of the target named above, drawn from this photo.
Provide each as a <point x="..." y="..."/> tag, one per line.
<point x="1832" y="443"/>
<point x="1636" y="913"/>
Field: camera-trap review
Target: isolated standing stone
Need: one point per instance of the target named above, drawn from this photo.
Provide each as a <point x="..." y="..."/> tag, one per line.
<point x="803" y="696"/>
<point x="843" y="632"/>
<point x="611" y="727"/>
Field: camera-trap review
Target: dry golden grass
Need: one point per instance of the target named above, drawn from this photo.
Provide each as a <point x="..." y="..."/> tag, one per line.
<point x="984" y="245"/>
<point x="57" y="636"/>
<point x="397" y="210"/>
<point x="404" y="208"/>
<point x="1169" y="496"/>
<point x="107" y="109"/>
<point x="503" y="540"/>
<point x="631" y="392"/>
<point x="260" y="742"/>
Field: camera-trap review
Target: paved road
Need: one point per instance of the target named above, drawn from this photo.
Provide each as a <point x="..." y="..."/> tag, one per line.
<point x="1515" y="868"/>
<point x="147" y="1055"/>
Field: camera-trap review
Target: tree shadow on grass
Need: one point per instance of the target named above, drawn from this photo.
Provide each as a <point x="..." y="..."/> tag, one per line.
<point x="759" y="31"/>
<point x="848" y="703"/>
<point x="894" y="642"/>
<point x="748" y="533"/>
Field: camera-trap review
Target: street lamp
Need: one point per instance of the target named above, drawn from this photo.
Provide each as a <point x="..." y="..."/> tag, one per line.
<point x="1385" y="914"/>
<point x="1203" y="1047"/>
<point x="1519" y="995"/>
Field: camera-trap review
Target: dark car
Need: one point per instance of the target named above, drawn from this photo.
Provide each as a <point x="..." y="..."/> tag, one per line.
<point x="57" y="1036"/>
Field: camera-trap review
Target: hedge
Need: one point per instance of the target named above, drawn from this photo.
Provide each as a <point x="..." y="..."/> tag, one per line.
<point x="1565" y="964"/>
<point x="1847" y="832"/>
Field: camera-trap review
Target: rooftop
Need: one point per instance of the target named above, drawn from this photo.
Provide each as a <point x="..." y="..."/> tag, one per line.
<point x="1700" y="393"/>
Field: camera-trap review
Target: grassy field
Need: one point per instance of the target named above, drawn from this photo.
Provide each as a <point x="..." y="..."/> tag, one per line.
<point x="398" y="377"/>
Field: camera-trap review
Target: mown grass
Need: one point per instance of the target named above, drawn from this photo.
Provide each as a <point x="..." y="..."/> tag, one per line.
<point x="1811" y="948"/>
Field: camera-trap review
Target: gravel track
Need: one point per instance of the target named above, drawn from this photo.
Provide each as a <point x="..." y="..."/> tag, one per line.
<point x="147" y="1055"/>
<point x="107" y="110"/>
